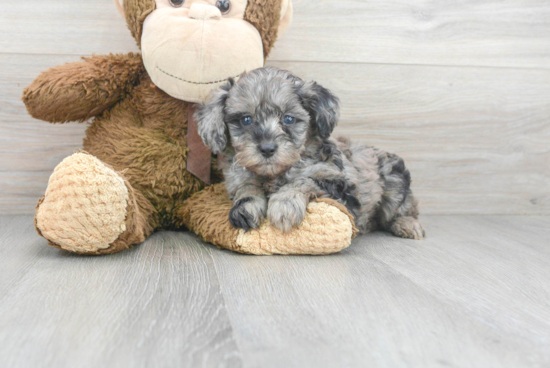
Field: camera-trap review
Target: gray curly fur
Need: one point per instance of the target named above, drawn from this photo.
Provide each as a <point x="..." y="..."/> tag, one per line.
<point x="301" y="161"/>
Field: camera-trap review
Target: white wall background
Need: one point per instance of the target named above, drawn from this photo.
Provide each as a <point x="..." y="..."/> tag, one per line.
<point x="460" y="89"/>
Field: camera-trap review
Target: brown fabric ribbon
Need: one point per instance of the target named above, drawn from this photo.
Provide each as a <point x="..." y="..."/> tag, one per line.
<point x="199" y="157"/>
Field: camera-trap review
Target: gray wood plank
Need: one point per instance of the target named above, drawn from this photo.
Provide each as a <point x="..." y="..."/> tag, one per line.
<point x="474" y="294"/>
<point x="28" y="144"/>
<point x="20" y="250"/>
<point x="493" y="269"/>
<point x="29" y="148"/>
<point x="156" y="305"/>
<point x="20" y="191"/>
<point x="469" y="32"/>
<point x="489" y="32"/>
<point x="63" y="27"/>
<point x="477" y="140"/>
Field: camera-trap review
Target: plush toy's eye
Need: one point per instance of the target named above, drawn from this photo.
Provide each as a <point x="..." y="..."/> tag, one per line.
<point x="246" y="120"/>
<point x="289" y="120"/>
<point x="223" y="5"/>
<point x="177" y="3"/>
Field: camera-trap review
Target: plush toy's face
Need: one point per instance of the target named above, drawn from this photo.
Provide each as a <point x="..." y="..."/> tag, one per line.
<point x="190" y="47"/>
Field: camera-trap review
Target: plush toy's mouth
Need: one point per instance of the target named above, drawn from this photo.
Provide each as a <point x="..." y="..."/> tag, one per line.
<point x="200" y="83"/>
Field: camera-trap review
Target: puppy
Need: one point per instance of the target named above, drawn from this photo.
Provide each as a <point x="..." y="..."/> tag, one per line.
<point x="273" y="130"/>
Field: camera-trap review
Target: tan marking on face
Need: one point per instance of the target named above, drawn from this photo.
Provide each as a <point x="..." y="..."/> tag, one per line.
<point x="247" y="156"/>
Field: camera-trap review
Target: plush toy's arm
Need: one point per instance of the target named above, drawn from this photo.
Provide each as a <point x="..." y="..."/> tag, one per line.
<point x="81" y="90"/>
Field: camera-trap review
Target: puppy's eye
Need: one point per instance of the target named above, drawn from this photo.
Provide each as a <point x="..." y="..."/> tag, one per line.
<point x="289" y="120"/>
<point x="223" y="5"/>
<point x="246" y="120"/>
<point x="177" y="3"/>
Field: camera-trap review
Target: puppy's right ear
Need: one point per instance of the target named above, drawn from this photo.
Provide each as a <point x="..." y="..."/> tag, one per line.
<point x="322" y="105"/>
<point x="210" y="117"/>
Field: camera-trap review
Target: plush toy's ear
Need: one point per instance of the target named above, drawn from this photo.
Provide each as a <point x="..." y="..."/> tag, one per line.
<point x="286" y="16"/>
<point x="120" y="7"/>
<point x="211" y="119"/>
<point x="322" y="105"/>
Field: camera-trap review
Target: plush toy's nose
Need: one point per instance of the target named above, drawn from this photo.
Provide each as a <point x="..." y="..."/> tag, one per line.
<point x="204" y="12"/>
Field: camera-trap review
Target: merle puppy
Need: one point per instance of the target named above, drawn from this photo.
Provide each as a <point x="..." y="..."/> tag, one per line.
<point x="273" y="130"/>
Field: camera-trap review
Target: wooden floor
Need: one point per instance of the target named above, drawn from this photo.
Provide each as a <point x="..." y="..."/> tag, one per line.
<point x="476" y="293"/>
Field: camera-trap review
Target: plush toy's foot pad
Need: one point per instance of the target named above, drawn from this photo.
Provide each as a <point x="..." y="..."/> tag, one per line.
<point x="84" y="209"/>
<point x="327" y="228"/>
<point x="408" y="227"/>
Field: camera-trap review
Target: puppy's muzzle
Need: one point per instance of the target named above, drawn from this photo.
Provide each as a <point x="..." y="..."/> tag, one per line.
<point x="268" y="149"/>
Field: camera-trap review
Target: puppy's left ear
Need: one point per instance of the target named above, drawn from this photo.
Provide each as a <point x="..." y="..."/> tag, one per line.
<point x="322" y="105"/>
<point x="210" y="118"/>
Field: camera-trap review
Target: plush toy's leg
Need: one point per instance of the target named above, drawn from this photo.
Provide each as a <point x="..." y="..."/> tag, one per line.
<point x="89" y="208"/>
<point x="327" y="228"/>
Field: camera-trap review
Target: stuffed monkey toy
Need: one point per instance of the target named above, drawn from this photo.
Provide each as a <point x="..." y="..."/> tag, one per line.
<point x="144" y="167"/>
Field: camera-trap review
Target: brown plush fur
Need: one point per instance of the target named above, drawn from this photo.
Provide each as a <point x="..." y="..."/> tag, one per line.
<point x="265" y="16"/>
<point x="206" y="214"/>
<point x="209" y="218"/>
<point x="137" y="129"/>
<point x="136" y="11"/>
<point x="83" y="90"/>
<point x="145" y="135"/>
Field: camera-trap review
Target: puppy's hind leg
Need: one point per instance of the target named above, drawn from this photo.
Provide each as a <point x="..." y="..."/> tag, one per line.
<point x="407" y="227"/>
<point x="398" y="212"/>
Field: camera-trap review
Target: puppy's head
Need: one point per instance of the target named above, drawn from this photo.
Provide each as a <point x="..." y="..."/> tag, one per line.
<point x="268" y="116"/>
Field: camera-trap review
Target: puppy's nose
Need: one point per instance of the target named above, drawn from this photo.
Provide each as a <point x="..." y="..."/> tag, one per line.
<point x="204" y="12"/>
<point x="268" y="149"/>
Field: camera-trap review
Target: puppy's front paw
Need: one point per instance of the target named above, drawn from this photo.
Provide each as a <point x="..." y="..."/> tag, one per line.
<point x="286" y="214"/>
<point x="247" y="214"/>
